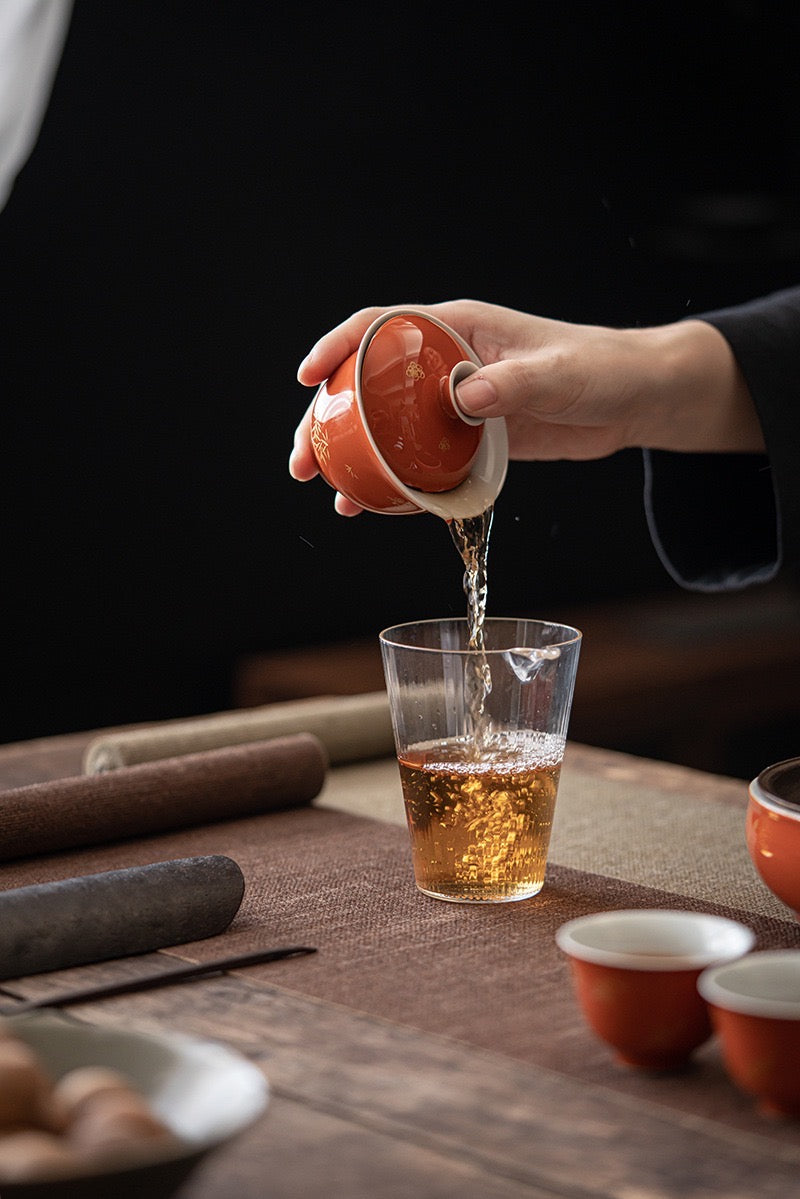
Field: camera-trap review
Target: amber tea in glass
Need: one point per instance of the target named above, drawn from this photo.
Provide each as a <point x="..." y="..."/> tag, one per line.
<point x="480" y="765"/>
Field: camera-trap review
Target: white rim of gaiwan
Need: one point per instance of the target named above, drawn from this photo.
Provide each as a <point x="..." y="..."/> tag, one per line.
<point x="784" y="807"/>
<point x="654" y="939"/>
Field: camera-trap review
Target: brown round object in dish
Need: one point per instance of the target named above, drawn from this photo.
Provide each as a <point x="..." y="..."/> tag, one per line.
<point x="116" y="1120"/>
<point x="25" y="1087"/>
<point x="82" y="1086"/>
<point x="28" y="1154"/>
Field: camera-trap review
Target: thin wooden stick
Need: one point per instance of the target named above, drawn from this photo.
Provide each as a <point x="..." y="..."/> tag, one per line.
<point x="162" y="978"/>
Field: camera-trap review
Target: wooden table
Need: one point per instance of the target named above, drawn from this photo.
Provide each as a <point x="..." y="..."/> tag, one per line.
<point x="363" y="1104"/>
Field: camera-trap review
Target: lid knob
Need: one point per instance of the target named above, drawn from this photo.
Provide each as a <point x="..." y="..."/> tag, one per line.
<point x="449" y="384"/>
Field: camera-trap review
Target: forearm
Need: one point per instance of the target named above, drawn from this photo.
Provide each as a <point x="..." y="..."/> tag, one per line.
<point x="728" y="521"/>
<point x="693" y="396"/>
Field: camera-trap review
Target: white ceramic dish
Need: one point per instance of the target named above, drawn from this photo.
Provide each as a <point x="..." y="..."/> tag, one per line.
<point x="204" y="1092"/>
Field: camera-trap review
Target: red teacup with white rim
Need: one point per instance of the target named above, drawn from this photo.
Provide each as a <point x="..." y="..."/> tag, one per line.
<point x="635" y="973"/>
<point x="755" y="1011"/>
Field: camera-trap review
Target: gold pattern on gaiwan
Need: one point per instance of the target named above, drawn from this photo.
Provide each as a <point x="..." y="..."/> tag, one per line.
<point x="319" y="443"/>
<point x="415" y="371"/>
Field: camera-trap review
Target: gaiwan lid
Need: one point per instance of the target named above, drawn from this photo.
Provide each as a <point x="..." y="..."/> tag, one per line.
<point x="405" y="379"/>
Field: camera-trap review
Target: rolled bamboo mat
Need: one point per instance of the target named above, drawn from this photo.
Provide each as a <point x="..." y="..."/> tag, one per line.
<point x="350" y="727"/>
<point x="154" y="797"/>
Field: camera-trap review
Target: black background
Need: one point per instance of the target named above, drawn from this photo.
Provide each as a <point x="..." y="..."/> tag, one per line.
<point x="216" y="184"/>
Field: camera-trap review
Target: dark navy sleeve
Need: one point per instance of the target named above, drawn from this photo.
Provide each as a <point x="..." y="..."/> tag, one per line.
<point x="725" y="521"/>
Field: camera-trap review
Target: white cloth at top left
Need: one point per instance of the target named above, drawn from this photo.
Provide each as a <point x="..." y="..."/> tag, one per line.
<point x="32" y="34"/>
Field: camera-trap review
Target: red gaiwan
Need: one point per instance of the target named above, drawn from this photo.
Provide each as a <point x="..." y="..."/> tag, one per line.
<point x="772" y="829"/>
<point x="386" y="429"/>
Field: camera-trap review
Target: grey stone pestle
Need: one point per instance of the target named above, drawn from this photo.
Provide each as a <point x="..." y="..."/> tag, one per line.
<point x="73" y="921"/>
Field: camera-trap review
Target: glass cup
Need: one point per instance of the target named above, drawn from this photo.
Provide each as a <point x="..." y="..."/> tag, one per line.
<point x="480" y="736"/>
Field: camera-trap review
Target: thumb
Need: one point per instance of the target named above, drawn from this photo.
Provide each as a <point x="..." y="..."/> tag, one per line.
<point x="496" y="390"/>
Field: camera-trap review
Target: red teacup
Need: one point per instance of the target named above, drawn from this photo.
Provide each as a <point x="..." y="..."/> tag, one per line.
<point x="755" y="1010"/>
<point x="635" y="973"/>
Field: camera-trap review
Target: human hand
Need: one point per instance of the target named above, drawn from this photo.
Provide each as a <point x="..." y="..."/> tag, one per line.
<point x="570" y="391"/>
